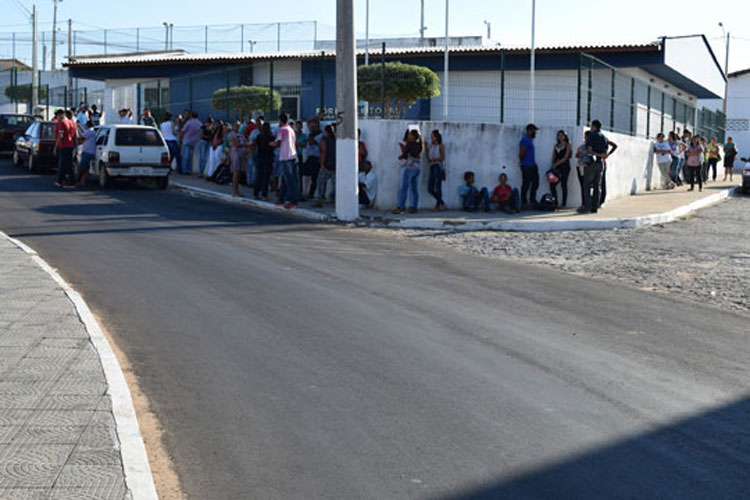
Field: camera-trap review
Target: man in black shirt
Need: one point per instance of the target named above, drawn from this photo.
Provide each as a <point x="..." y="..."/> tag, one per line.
<point x="600" y="148"/>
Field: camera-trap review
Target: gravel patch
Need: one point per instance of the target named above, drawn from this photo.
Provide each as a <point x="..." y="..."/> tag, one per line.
<point x="705" y="257"/>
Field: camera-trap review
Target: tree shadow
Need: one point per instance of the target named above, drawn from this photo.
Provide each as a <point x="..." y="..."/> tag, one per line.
<point x="700" y="457"/>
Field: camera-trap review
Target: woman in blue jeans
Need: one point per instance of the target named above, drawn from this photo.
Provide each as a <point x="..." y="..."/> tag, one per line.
<point x="411" y="153"/>
<point x="435" y="152"/>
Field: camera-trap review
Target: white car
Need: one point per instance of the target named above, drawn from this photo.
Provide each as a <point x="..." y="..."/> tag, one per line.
<point x="133" y="152"/>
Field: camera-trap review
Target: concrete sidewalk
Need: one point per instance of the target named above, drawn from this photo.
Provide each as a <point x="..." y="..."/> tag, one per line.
<point x="58" y="436"/>
<point x="643" y="209"/>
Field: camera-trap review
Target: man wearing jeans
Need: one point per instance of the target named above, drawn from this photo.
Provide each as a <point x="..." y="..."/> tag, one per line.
<point x="597" y="145"/>
<point x="529" y="170"/>
<point x="65" y="142"/>
<point x="286" y="141"/>
<point x="190" y="135"/>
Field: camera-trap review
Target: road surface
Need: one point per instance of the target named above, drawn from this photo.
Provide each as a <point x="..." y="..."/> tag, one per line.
<point x="288" y="359"/>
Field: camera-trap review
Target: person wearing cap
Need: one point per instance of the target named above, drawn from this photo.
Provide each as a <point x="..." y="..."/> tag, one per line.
<point x="600" y="148"/>
<point x="529" y="169"/>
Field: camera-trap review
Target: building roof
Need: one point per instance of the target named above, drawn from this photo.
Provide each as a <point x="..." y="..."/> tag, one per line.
<point x="6" y="64"/>
<point x="181" y="57"/>
<point x="738" y="73"/>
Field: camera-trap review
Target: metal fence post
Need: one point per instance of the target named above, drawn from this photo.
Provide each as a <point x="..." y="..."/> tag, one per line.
<point x="138" y="39"/>
<point x="648" y="113"/>
<point x="46" y="101"/>
<point x="322" y="106"/>
<point x="578" y="90"/>
<point x="226" y="96"/>
<point x="242" y="38"/>
<point x="612" y="103"/>
<point x="382" y="82"/>
<point x="591" y="86"/>
<point x="661" y="127"/>
<point x="105" y="41"/>
<point x="158" y="94"/>
<point x="632" y="107"/>
<point x="190" y="89"/>
<point x="65" y="98"/>
<point x="674" y="114"/>
<point x="270" y="88"/>
<point x="205" y="39"/>
<point x="138" y="102"/>
<point x="502" y="86"/>
<point x="86" y="95"/>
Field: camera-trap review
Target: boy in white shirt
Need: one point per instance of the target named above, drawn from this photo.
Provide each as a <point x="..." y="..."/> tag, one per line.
<point x="664" y="159"/>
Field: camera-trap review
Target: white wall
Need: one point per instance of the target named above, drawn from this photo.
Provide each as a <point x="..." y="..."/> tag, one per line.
<point x="284" y="73"/>
<point x="486" y="149"/>
<point x="738" y="112"/>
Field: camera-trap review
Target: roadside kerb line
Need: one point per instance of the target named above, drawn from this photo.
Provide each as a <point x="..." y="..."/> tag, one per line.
<point x="138" y="478"/>
<point x="488" y="225"/>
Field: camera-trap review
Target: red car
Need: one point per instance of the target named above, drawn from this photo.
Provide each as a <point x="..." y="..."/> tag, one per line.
<point x="10" y="126"/>
<point x="34" y="147"/>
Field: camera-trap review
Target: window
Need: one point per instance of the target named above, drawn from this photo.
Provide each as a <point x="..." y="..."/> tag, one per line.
<point x="101" y="139"/>
<point x="47" y="130"/>
<point x="137" y="137"/>
<point x="19" y="121"/>
<point x="31" y="130"/>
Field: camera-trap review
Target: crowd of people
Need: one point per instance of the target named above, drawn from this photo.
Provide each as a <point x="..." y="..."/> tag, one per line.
<point x="295" y="161"/>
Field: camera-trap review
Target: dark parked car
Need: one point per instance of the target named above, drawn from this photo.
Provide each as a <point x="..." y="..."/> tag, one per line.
<point x="34" y="147"/>
<point x="10" y="126"/>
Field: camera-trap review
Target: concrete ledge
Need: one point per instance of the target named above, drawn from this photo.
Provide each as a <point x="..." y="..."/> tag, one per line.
<point x="571" y="224"/>
<point x="265" y="205"/>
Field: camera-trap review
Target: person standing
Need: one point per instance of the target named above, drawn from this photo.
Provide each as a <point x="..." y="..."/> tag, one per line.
<point x="561" y="167"/>
<point x="147" y="119"/>
<point x="311" y="155"/>
<point x="435" y="153"/>
<point x="83" y="115"/>
<point x="190" y="135"/>
<point x="712" y="152"/>
<point x="600" y="148"/>
<point x="167" y="131"/>
<point x="529" y="169"/>
<point x="207" y="132"/>
<point x="584" y="158"/>
<point x="88" y="152"/>
<point x="299" y="131"/>
<point x="95" y="116"/>
<point x="411" y="153"/>
<point x="730" y="153"/>
<point x="327" y="169"/>
<point x="65" y="142"/>
<point x="126" y="116"/>
<point x="693" y="163"/>
<point x="663" y="159"/>
<point x="286" y="141"/>
<point x="236" y="147"/>
<point x="263" y="161"/>
<point x="677" y="149"/>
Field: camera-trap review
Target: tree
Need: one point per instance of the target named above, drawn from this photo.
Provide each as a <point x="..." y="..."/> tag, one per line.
<point x="404" y="84"/>
<point x="245" y="99"/>
<point x="22" y="93"/>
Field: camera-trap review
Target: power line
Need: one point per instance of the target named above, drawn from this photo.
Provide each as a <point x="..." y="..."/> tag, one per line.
<point x="22" y="7"/>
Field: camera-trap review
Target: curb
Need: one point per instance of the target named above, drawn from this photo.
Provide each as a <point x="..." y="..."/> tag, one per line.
<point x="265" y="205"/>
<point x="138" y="478"/>
<point x="490" y="225"/>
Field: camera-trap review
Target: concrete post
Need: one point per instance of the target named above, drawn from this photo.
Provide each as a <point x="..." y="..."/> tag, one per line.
<point x="347" y="199"/>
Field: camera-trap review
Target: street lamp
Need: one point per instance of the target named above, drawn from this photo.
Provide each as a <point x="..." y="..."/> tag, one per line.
<point x="252" y="45"/>
<point x="166" y="35"/>
<point x="726" y="68"/>
<point x="489" y="29"/>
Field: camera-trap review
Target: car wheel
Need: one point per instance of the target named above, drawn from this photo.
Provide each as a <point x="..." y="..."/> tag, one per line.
<point x="104" y="180"/>
<point x="30" y="163"/>
<point x="16" y="159"/>
<point x="162" y="182"/>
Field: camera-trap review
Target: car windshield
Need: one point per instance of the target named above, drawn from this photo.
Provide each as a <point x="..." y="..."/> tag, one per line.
<point x="137" y="137"/>
<point x="48" y="131"/>
<point x="15" y="121"/>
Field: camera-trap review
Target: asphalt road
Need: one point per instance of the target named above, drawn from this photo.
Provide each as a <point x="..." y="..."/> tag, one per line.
<point x="288" y="359"/>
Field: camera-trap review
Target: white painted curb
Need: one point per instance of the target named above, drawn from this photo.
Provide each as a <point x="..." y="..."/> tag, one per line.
<point x="562" y="225"/>
<point x="265" y="205"/>
<point x="138" y="478"/>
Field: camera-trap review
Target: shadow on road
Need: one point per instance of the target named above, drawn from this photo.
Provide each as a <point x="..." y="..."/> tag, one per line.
<point x="706" y="456"/>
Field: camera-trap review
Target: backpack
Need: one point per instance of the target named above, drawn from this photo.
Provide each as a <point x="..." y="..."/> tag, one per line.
<point x="548" y="203"/>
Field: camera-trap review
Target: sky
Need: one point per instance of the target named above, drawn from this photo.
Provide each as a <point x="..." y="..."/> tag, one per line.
<point x="571" y="22"/>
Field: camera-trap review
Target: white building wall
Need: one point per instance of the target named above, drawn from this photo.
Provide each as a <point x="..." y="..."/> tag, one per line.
<point x="738" y="112"/>
<point x="490" y="149"/>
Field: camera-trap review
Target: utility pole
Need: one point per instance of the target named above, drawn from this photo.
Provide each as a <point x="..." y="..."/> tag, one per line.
<point x="421" y="22"/>
<point x="34" y="66"/>
<point x="446" y="86"/>
<point x="726" y="70"/>
<point x="347" y="198"/>
<point x="44" y="53"/>
<point x="532" y="81"/>
<point x="367" y="47"/>
<point x="54" y="35"/>
<point x="70" y="54"/>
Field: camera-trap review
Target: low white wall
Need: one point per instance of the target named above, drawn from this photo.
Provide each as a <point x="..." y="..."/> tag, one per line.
<point x="489" y="150"/>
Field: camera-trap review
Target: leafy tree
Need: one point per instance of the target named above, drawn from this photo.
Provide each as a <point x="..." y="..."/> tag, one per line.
<point x="404" y="84"/>
<point x="245" y="99"/>
<point x="22" y="93"/>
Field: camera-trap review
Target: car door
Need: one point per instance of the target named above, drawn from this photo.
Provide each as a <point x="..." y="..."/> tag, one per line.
<point x="23" y="144"/>
<point x="101" y="146"/>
